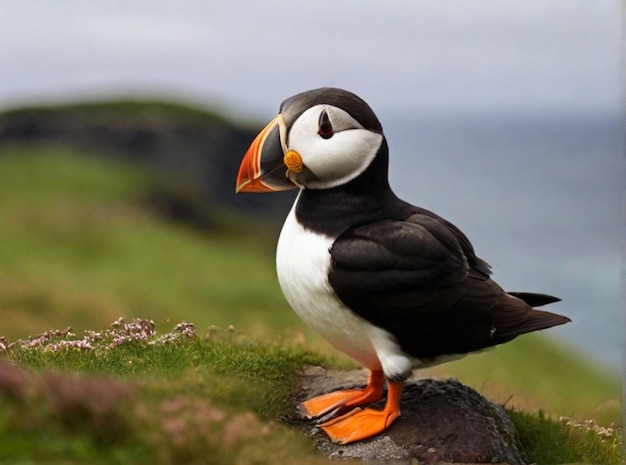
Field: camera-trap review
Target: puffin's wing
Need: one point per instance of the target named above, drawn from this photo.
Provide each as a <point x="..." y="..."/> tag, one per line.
<point x="413" y="279"/>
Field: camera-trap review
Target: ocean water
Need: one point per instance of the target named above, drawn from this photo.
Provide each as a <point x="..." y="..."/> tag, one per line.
<point x="541" y="197"/>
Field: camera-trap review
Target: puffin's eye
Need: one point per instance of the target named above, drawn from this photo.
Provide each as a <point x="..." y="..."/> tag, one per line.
<point x="324" y="128"/>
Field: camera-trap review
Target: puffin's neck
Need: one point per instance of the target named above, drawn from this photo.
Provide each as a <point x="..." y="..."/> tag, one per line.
<point x="364" y="199"/>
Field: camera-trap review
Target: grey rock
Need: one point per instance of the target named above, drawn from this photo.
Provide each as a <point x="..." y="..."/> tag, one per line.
<point x="442" y="422"/>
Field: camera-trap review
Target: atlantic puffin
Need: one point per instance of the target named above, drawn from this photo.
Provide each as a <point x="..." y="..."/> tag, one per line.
<point x="394" y="286"/>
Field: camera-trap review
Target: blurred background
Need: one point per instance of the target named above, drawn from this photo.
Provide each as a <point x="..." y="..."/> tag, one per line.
<point x="123" y="124"/>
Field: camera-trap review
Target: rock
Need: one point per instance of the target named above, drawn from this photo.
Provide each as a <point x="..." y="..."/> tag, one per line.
<point x="442" y="422"/>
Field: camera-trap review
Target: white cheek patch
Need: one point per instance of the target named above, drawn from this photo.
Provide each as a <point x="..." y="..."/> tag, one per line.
<point x="336" y="160"/>
<point x="342" y="158"/>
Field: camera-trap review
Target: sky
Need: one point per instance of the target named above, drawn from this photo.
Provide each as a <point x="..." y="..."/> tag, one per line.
<point x="413" y="61"/>
<point x="464" y="55"/>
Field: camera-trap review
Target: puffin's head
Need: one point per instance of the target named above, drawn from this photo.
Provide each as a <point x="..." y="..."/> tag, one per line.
<point x="320" y="139"/>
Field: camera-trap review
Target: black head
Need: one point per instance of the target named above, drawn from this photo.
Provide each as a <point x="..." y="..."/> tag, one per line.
<point x="321" y="139"/>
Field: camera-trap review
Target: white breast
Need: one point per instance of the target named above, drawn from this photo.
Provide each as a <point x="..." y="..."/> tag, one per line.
<point x="303" y="262"/>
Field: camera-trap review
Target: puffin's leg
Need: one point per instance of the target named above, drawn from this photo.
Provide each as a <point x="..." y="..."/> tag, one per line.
<point x="338" y="401"/>
<point x="362" y="424"/>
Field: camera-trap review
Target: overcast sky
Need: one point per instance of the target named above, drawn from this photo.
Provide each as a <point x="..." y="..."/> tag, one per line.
<point x="409" y="60"/>
<point x="431" y="55"/>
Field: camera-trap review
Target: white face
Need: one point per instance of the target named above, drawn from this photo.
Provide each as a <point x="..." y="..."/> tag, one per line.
<point x="333" y="146"/>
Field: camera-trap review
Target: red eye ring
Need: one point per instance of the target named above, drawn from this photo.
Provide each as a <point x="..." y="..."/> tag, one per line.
<point x="324" y="127"/>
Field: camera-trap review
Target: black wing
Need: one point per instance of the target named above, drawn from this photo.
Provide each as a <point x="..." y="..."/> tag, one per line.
<point x="419" y="279"/>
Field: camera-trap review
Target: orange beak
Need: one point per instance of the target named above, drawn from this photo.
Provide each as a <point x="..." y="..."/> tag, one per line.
<point x="262" y="168"/>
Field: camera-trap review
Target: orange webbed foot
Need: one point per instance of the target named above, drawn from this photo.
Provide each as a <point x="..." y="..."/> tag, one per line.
<point x="341" y="401"/>
<point x="362" y="424"/>
<point x="358" y="424"/>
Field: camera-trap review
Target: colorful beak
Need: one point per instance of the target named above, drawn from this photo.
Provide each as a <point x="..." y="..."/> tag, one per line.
<point x="262" y="168"/>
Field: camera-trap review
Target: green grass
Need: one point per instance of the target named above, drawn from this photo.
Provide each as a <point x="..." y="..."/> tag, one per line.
<point x="186" y="401"/>
<point x="149" y="398"/>
<point x="546" y="441"/>
<point x="237" y="373"/>
<point x="80" y="248"/>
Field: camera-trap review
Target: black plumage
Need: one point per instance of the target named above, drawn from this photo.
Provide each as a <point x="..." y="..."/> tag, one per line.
<point x="413" y="273"/>
<point x="413" y="278"/>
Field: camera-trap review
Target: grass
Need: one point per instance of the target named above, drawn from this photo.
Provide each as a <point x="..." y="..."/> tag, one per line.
<point x="79" y="248"/>
<point x="546" y="441"/>
<point x="174" y="398"/>
<point x="127" y="394"/>
<point x="252" y="376"/>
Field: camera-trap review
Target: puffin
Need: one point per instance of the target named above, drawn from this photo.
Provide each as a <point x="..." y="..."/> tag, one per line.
<point x="392" y="285"/>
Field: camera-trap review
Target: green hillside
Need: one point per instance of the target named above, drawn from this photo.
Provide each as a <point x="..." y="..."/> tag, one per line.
<point x="81" y="247"/>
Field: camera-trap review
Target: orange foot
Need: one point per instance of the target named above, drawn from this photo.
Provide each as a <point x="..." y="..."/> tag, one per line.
<point x="341" y="401"/>
<point x="362" y="424"/>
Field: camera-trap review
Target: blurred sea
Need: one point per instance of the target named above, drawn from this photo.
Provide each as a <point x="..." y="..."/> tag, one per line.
<point x="540" y="197"/>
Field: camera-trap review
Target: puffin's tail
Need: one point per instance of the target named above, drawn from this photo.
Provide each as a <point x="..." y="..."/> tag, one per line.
<point x="536" y="320"/>
<point x="526" y="319"/>
<point x="540" y="319"/>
